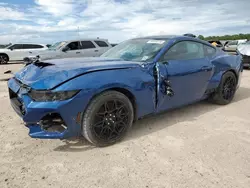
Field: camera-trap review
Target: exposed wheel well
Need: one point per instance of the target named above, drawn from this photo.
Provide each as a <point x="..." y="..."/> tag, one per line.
<point x="5" y="55"/>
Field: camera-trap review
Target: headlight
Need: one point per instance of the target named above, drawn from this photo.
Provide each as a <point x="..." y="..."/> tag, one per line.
<point x="45" y="96"/>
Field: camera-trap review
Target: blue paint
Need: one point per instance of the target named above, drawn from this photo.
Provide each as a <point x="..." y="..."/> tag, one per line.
<point x="190" y="79"/>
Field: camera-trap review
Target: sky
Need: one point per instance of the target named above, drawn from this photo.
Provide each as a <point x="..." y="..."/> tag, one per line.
<point x="49" y="21"/>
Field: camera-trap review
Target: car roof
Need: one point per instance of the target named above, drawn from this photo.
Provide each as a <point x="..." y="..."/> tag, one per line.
<point x="175" y="37"/>
<point x="28" y="43"/>
<point x="83" y="39"/>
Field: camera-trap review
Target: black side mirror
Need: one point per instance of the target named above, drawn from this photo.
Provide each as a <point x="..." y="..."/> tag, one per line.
<point x="11" y="48"/>
<point x="65" y="49"/>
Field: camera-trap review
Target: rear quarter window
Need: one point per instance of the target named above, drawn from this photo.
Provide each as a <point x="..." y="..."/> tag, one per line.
<point x="101" y="43"/>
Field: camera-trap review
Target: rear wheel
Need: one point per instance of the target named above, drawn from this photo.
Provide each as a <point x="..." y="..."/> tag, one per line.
<point x="226" y="90"/>
<point x="107" y="118"/>
<point x="4" y="59"/>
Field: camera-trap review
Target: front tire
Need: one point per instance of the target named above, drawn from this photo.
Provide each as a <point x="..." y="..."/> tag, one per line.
<point x="226" y="90"/>
<point x="107" y="118"/>
<point x="4" y="59"/>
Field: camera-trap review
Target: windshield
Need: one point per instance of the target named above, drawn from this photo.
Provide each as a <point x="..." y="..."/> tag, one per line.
<point x="57" y="45"/>
<point x="136" y="49"/>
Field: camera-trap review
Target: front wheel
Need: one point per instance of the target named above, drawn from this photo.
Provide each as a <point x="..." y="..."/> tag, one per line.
<point x="226" y="90"/>
<point x="107" y="118"/>
<point x="4" y="59"/>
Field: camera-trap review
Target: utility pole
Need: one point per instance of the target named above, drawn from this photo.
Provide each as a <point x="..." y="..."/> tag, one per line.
<point x="78" y="31"/>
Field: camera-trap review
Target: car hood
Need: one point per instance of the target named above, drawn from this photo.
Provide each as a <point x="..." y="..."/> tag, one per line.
<point x="4" y="50"/>
<point x="50" y="73"/>
<point x="244" y="49"/>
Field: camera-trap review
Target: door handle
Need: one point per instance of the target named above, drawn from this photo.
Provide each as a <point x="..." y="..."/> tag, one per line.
<point x="96" y="50"/>
<point x="206" y="68"/>
<point x="78" y="52"/>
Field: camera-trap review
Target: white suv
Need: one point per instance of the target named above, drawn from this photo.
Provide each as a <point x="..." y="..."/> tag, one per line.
<point x="74" y="48"/>
<point x="17" y="52"/>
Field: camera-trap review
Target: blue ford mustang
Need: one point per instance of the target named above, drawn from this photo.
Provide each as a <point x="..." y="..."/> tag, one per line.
<point x="99" y="98"/>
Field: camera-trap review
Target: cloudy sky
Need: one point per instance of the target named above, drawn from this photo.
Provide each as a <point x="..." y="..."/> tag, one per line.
<point x="48" y="21"/>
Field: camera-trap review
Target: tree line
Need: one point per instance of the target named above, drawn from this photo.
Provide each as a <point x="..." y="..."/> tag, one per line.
<point x="226" y="37"/>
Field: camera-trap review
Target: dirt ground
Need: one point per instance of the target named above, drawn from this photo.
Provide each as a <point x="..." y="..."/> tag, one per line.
<point x="198" y="146"/>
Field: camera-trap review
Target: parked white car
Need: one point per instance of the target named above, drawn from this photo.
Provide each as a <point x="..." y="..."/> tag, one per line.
<point x="17" y="52"/>
<point x="73" y="48"/>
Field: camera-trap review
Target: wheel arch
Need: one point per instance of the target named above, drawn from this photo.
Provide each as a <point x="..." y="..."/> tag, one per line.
<point x="6" y="55"/>
<point x="130" y="96"/>
<point x="122" y="90"/>
<point x="233" y="71"/>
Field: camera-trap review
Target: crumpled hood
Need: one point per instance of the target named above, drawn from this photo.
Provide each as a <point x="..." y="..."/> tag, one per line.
<point x="244" y="49"/>
<point x="48" y="74"/>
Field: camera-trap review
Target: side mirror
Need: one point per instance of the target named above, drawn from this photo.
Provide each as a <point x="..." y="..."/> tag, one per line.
<point x="11" y="48"/>
<point x="65" y="49"/>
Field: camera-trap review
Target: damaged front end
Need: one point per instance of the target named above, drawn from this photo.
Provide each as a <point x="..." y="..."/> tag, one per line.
<point x="45" y="119"/>
<point x="52" y="126"/>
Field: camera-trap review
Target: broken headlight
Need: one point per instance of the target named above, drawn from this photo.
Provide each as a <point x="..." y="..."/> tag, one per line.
<point x="46" y="96"/>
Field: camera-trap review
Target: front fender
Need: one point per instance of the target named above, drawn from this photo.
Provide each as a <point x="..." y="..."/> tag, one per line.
<point x="135" y="80"/>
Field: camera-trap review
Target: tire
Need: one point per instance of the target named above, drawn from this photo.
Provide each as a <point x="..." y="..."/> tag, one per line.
<point x="107" y="118"/>
<point x="225" y="92"/>
<point x="4" y="59"/>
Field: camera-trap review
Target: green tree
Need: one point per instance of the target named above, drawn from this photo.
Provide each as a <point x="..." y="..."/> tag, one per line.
<point x="201" y="37"/>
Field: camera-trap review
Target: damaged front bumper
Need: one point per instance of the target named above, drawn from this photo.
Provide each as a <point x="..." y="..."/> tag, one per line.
<point x="47" y="120"/>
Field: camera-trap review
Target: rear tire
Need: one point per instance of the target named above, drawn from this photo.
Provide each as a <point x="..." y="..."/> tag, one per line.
<point x="4" y="59"/>
<point x="107" y="118"/>
<point x="226" y="90"/>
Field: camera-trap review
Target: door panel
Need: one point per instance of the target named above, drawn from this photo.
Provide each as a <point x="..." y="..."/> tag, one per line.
<point x="188" y="80"/>
<point x="74" y="50"/>
<point x="88" y="49"/>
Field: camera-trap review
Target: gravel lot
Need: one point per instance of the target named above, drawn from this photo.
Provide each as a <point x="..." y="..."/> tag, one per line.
<point x="198" y="146"/>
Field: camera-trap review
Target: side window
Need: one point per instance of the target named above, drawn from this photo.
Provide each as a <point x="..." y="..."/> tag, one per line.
<point x="37" y="46"/>
<point x="28" y="46"/>
<point x="232" y="43"/>
<point x="73" y="46"/>
<point x="209" y="51"/>
<point x="101" y="43"/>
<point x="185" y="50"/>
<point x="87" y="45"/>
<point x="17" y="46"/>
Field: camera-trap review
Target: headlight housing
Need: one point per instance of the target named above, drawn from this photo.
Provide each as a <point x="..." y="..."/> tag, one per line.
<point x="48" y="96"/>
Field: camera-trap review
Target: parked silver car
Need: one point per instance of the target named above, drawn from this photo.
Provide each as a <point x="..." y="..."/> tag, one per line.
<point x="73" y="48"/>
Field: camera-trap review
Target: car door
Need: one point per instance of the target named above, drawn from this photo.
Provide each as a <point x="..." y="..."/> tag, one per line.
<point x="30" y="49"/>
<point x="183" y="74"/>
<point x="102" y="45"/>
<point x="73" y="49"/>
<point x="88" y="49"/>
<point x="16" y="52"/>
<point x="35" y="48"/>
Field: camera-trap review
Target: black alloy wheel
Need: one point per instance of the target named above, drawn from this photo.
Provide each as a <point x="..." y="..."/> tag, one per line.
<point x="3" y="59"/>
<point x="107" y="119"/>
